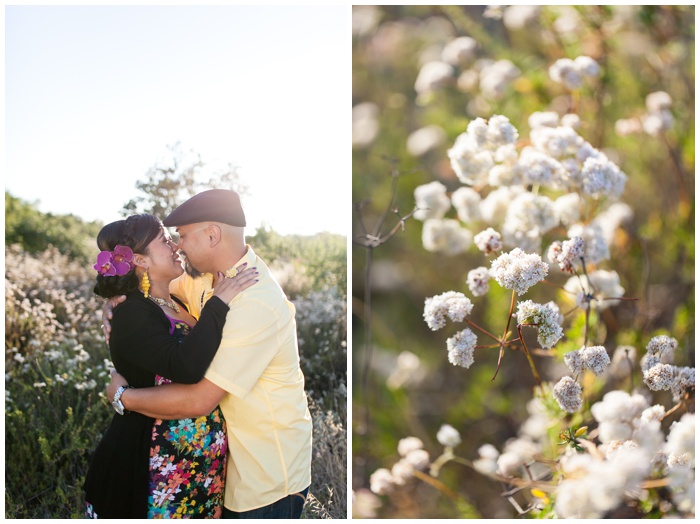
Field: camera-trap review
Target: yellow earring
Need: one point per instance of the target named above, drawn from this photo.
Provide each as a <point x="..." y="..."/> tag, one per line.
<point x="145" y="284"/>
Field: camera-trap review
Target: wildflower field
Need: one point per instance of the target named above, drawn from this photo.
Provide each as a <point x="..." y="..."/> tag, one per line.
<point x="523" y="262"/>
<point x="57" y="365"/>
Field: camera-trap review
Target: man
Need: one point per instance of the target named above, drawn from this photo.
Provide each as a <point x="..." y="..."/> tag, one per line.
<point x="255" y="377"/>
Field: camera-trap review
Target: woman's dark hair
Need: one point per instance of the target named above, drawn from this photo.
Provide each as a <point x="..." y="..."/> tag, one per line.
<point x="136" y="232"/>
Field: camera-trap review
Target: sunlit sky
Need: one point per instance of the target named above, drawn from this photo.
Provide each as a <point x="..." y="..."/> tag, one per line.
<point x="95" y="94"/>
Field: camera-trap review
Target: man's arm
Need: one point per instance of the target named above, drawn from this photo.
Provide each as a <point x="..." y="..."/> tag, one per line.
<point x="169" y="401"/>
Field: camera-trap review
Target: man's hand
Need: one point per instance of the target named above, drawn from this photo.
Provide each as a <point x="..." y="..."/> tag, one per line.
<point x="107" y="311"/>
<point x="116" y="381"/>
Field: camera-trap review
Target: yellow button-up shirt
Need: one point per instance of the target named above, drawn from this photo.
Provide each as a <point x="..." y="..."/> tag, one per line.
<point x="268" y="421"/>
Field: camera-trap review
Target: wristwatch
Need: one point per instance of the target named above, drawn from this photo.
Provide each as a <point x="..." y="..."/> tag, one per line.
<point x="116" y="401"/>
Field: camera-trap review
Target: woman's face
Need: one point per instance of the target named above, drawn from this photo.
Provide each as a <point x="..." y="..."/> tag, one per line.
<point x="164" y="263"/>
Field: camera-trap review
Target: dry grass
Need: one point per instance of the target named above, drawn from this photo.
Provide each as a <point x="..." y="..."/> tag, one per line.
<point x="328" y="494"/>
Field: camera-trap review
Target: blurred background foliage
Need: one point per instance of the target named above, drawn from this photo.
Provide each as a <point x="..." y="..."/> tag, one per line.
<point x="412" y="389"/>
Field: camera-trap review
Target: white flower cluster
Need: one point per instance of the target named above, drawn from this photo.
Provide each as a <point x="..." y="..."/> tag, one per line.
<point x="425" y="139"/>
<point x="595" y="241"/>
<point x="528" y="217"/>
<point x="413" y="457"/>
<point x="494" y="77"/>
<point x="630" y="435"/>
<point x="433" y="75"/>
<point x="488" y="241"/>
<point x="450" y="304"/>
<point x="487" y="464"/>
<point x="567" y="393"/>
<point x="546" y="317"/>
<point x="659" y="375"/>
<point x="593" y="358"/>
<point x="476" y="151"/>
<point x="632" y="446"/>
<point x="460" y="51"/>
<point x="466" y="201"/>
<point x="478" y="281"/>
<point x="518" y="270"/>
<point x="662" y="345"/>
<point x="593" y="487"/>
<point x="558" y="158"/>
<point x="680" y="445"/>
<point x="431" y="201"/>
<point x="626" y="422"/>
<point x="448" y="436"/>
<point x="601" y="177"/>
<point x="616" y="415"/>
<point x="460" y="348"/>
<point x="657" y="119"/>
<point x="365" y="126"/>
<point x="458" y="64"/>
<point x="572" y="73"/>
<point x="516" y="452"/>
<point x="445" y="235"/>
<point x="566" y="254"/>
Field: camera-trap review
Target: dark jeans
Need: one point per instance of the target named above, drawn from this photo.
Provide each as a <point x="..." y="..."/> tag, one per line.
<point x="289" y="507"/>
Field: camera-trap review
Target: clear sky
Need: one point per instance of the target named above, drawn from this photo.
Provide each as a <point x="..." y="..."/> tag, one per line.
<point x="95" y="94"/>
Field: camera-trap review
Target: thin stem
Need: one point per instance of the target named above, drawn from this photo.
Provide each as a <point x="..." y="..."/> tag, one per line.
<point x="505" y="334"/>
<point x="385" y="214"/>
<point x="573" y="101"/>
<point x="677" y="170"/>
<point x="617" y="298"/>
<point x="673" y="409"/>
<point x="441" y="461"/>
<point x="472" y="324"/>
<point x="463" y="461"/>
<point x="507" y="343"/>
<point x="435" y="483"/>
<point x="529" y="357"/>
<point x="487" y="346"/>
<point x="629" y="361"/>
<point x="368" y="332"/>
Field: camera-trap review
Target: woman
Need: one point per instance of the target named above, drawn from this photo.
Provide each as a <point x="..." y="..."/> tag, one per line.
<point x="145" y="467"/>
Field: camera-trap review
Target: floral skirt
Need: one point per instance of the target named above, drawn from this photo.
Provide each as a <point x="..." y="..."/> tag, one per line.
<point x="187" y="468"/>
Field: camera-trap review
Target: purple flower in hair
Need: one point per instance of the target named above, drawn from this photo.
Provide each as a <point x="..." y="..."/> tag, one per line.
<point x="122" y="258"/>
<point x="117" y="262"/>
<point x="105" y="264"/>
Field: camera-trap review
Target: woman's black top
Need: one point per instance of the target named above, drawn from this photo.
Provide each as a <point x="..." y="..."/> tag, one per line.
<point x="142" y="347"/>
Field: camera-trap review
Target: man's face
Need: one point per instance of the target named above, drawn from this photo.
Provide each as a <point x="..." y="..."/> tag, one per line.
<point x="192" y="247"/>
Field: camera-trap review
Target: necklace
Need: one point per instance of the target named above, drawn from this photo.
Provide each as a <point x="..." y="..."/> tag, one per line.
<point x="167" y="303"/>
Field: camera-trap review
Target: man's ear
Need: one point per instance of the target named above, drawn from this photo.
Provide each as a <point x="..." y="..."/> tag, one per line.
<point x="214" y="234"/>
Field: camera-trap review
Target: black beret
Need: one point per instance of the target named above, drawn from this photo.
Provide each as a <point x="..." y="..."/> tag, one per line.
<point x="215" y="205"/>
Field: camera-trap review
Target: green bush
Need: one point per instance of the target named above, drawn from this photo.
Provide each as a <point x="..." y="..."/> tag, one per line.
<point x="36" y="231"/>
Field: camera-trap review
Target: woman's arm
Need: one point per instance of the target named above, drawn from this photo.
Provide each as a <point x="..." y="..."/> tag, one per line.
<point x="141" y="337"/>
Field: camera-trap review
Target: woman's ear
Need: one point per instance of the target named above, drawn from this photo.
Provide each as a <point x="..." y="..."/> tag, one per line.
<point x="140" y="261"/>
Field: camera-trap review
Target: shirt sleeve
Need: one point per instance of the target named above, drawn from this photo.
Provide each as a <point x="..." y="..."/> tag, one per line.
<point x="141" y="337"/>
<point x="247" y="348"/>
